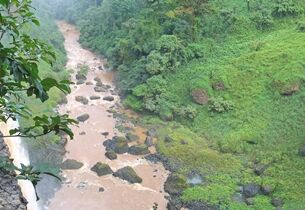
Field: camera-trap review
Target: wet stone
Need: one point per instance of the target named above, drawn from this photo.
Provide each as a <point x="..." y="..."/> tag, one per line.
<point x="95" y="98"/>
<point x="108" y="98"/>
<point x="71" y="164"/>
<point x="128" y="174"/>
<point x="83" y="117"/>
<point x="101" y="169"/>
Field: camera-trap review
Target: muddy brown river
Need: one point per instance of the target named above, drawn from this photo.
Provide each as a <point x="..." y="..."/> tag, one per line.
<point x="80" y="191"/>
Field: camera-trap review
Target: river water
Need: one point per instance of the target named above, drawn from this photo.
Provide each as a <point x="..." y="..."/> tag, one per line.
<point x="81" y="188"/>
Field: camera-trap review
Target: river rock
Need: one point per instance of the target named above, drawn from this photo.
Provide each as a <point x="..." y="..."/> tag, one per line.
<point x="99" y="89"/>
<point x="80" y="82"/>
<point x="97" y="79"/>
<point x="128" y="174"/>
<point x="89" y="83"/>
<point x="80" y="77"/>
<point x="83" y="117"/>
<point x="175" y="184"/>
<point x="105" y="134"/>
<point x="95" y="97"/>
<point x="82" y="133"/>
<point x="101" y="189"/>
<point x="141" y="149"/>
<point x="99" y="84"/>
<point x="71" y="164"/>
<point x="149" y="141"/>
<point x="200" y="96"/>
<point x="117" y="144"/>
<point x="131" y="137"/>
<point x="82" y="100"/>
<point x="108" y="98"/>
<point x="101" y="169"/>
<point x="251" y="190"/>
<point x="111" y="155"/>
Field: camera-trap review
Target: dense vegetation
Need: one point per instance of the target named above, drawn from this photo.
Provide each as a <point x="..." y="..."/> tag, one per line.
<point x="229" y="77"/>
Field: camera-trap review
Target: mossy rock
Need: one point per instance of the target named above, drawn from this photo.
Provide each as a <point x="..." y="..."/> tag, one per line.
<point x="128" y="174"/>
<point x="70" y="164"/>
<point x="175" y="184"/>
<point x="141" y="149"/>
<point x="111" y="155"/>
<point x="101" y="169"/>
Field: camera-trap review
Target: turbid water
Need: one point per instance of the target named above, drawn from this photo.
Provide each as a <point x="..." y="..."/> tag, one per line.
<point x="81" y="189"/>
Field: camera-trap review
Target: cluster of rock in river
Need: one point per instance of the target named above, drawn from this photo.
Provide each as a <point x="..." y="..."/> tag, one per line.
<point x="10" y="194"/>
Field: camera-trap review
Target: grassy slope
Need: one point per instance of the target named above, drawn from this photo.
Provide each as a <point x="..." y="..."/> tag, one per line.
<point x="254" y="69"/>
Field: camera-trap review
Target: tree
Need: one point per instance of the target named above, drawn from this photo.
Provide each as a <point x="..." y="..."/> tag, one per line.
<point x="19" y="73"/>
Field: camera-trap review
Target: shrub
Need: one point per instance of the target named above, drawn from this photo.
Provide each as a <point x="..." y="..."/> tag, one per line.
<point x="263" y="20"/>
<point x="186" y="111"/>
<point x="133" y="102"/>
<point x="284" y="8"/>
<point x="220" y="105"/>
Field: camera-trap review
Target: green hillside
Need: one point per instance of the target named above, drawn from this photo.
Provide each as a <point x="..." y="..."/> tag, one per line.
<point x="244" y="64"/>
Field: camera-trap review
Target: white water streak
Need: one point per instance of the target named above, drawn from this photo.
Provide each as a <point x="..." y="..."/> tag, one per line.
<point x="20" y="155"/>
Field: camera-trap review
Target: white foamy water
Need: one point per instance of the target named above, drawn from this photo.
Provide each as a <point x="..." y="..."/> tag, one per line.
<point x="20" y="155"/>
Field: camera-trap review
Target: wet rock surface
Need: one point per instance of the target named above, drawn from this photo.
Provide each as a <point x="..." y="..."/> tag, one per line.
<point x="10" y="194"/>
<point x="111" y="155"/>
<point x="82" y="100"/>
<point x="117" y="144"/>
<point x="128" y="174"/>
<point x="70" y="164"/>
<point x="141" y="149"/>
<point x="108" y="98"/>
<point x="83" y="117"/>
<point x="101" y="169"/>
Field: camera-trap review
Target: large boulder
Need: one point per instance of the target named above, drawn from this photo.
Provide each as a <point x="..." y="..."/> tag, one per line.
<point x="200" y="96"/>
<point x="251" y="190"/>
<point x="108" y="98"/>
<point x="175" y="184"/>
<point x="80" y="77"/>
<point x="99" y="89"/>
<point x="117" y="144"/>
<point x="141" y="149"/>
<point x="101" y="169"/>
<point x="70" y="164"/>
<point x="82" y="100"/>
<point x="94" y="97"/>
<point x="111" y="155"/>
<point x="128" y="174"/>
<point x="83" y="117"/>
